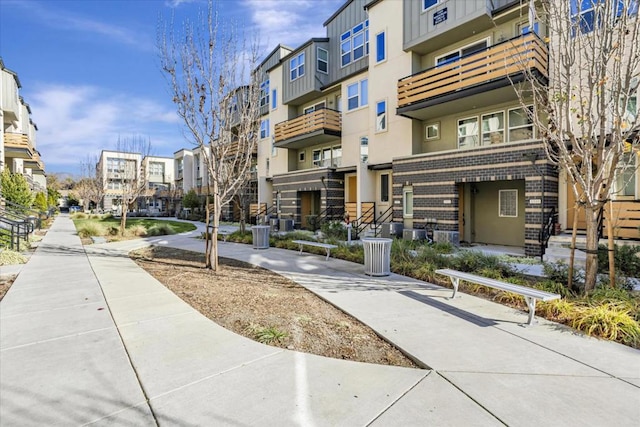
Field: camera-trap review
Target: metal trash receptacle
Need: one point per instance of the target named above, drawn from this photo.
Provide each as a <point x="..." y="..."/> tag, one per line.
<point x="260" y="236"/>
<point x="377" y="256"/>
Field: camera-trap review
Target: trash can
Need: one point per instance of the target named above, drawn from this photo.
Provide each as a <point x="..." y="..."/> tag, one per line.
<point x="260" y="236"/>
<point x="377" y="256"/>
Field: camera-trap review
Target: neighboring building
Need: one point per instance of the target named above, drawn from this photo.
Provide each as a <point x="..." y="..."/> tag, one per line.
<point x="117" y="171"/>
<point x="158" y="198"/>
<point x="408" y="114"/>
<point x="18" y="150"/>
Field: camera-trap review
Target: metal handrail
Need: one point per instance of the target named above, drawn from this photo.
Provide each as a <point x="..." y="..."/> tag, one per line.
<point x="358" y="225"/>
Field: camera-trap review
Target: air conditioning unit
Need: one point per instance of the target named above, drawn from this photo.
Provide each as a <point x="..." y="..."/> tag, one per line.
<point x="442" y="236"/>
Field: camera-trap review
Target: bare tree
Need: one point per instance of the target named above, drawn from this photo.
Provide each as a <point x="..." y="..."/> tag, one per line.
<point x="208" y="66"/>
<point x="133" y="180"/>
<point x="586" y="112"/>
<point x="90" y="187"/>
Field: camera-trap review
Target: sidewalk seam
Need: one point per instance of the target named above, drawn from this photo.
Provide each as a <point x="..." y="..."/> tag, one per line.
<point x="399" y="398"/>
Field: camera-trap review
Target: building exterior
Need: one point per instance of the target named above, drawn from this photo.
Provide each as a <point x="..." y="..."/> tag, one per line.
<point x="18" y="151"/>
<point x="119" y="172"/>
<point x="408" y="114"/>
<point x="157" y="198"/>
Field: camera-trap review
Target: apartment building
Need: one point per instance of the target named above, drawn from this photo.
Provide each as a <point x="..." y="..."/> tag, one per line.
<point x="18" y="150"/>
<point x="405" y="112"/>
<point x="157" y="199"/>
<point x="119" y="172"/>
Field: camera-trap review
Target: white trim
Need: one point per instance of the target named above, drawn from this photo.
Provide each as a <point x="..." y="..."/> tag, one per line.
<point x="426" y="131"/>
<point x="511" y="191"/>
<point x="318" y="49"/>
<point x="430" y="7"/>
<point x="386" y="115"/>
<point x="384" y="32"/>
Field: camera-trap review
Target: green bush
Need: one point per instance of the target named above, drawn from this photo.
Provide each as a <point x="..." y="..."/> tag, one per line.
<point x="472" y="261"/>
<point x="267" y="334"/>
<point x="78" y="215"/>
<point x="160" y="230"/>
<point x="334" y="230"/>
<point x="91" y="229"/>
<point x="626" y="259"/>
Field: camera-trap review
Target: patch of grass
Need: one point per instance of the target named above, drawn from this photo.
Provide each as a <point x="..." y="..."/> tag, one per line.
<point x="88" y="229"/>
<point x="266" y="334"/>
<point x="9" y="257"/>
<point x="107" y="225"/>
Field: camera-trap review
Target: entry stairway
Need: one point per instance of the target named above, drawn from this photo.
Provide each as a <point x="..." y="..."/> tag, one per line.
<point x="559" y="250"/>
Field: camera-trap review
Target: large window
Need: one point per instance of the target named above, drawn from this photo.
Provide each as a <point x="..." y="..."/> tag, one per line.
<point x="264" y="93"/>
<point x="493" y="128"/>
<point x="323" y="60"/>
<point x="381" y="116"/>
<point x="508" y="203"/>
<point x="381" y="48"/>
<point x="297" y="66"/>
<point x="428" y="4"/>
<point x="357" y="94"/>
<point x="274" y="99"/>
<point x="626" y="175"/>
<point x="468" y="132"/>
<point x="327" y="157"/>
<point x="384" y="187"/>
<point x="588" y="14"/>
<point x="264" y="128"/>
<point x="354" y="44"/>
<point x="454" y="55"/>
<point x="520" y="124"/>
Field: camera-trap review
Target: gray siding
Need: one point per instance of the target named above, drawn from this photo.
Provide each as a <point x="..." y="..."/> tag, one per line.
<point x="352" y="15"/>
<point x="418" y="25"/>
<point x="310" y="83"/>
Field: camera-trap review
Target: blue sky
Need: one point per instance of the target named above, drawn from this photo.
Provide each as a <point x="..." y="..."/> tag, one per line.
<point x="89" y="69"/>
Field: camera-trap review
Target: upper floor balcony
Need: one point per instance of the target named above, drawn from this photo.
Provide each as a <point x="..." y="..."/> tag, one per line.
<point x="18" y="145"/>
<point x="317" y="127"/>
<point x="496" y="67"/>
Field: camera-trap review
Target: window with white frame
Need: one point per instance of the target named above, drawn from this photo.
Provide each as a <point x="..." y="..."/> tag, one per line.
<point x="336" y="156"/>
<point x="508" y="203"/>
<point x="156" y="168"/>
<point x="322" y="157"/>
<point x="625" y="185"/>
<point x="264" y="93"/>
<point x="317" y="158"/>
<point x="381" y="116"/>
<point x="296" y="64"/>
<point x="521" y="124"/>
<point x="274" y="99"/>
<point x="493" y="128"/>
<point x="455" y="55"/>
<point x="323" y="60"/>
<point x="381" y="46"/>
<point x="357" y="94"/>
<point x="432" y="131"/>
<point x="364" y="149"/>
<point x="428" y="4"/>
<point x="525" y="28"/>
<point x="354" y="44"/>
<point x="468" y="132"/>
<point x="264" y="128"/>
<point x="407" y="202"/>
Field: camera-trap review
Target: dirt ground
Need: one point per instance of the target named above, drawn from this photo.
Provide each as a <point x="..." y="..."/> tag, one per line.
<point x="266" y="307"/>
<point x="5" y="284"/>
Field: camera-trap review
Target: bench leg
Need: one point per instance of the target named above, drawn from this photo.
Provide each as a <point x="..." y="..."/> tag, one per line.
<point x="454" y="281"/>
<point x="531" y="303"/>
<point x="328" y="253"/>
<point x="300" y="250"/>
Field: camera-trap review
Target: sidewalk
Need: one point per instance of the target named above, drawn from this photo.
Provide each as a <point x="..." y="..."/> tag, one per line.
<point x="484" y="368"/>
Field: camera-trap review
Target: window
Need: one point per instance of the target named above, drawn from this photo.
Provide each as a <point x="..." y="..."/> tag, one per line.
<point x="407" y="202"/>
<point x="384" y="187"/>
<point x="317" y="158"/>
<point x="336" y="156"/>
<point x="264" y="128"/>
<point x="296" y="65"/>
<point x="354" y="44"/>
<point x="274" y="99"/>
<point x="156" y="168"/>
<point x="520" y="124"/>
<point x="301" y="156"/>
<point x="524" y="28"/>
<point x="381" y="116"/>
<point x="322" y="157"/>
<point x="196" y="161"/>
<point x="264" y="93"/>
<point x="508" y="203"/>
<point x="432" y="131"/>
<point x="584" y="13"/>
<point x="381" y="48"/>
<point x="468" y="132"/>
<point x="357" y="94"/>
<point x="493" y="128"/>
<point x="274" y="149"/>
<point x="364" y="149"/>
<point x="462" y="52"/>
<point x="323" y="60"/>
<point x="626" y="175"/>
<point x="428" y="4"/>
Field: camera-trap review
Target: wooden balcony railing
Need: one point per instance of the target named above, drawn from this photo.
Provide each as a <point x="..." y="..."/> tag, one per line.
<point x="19" y="141"/>
<point x="626" y="219"/>
<point x="324" y="119"/>
<point x="523" y="53"/>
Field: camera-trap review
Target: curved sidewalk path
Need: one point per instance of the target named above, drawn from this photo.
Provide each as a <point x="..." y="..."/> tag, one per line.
<point x="149" y="358"/>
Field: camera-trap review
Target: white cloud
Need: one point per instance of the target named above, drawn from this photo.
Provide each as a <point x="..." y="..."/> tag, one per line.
<point x="177" y="3"/>
<point x="76" y="121"/>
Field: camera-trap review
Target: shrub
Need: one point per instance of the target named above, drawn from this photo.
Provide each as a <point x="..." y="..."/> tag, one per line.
<point x="626" y="259"/>
<point x="91" y="229"/>
<point x="160" y="230"/>
<point x="559" y="272"/>
<point x="334" y="230"/>
<point x="472" y="261"/>
<point x="610" y="321"/>
<point x="8" y="257"/>
<point x="266" y="334"/>
<point x="137" y="230"/>
<point x="561" y="310"/>
<point x="78" y="215"/>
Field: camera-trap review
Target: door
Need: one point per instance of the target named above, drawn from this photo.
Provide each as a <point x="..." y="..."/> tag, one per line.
<point x="309" y="209"/>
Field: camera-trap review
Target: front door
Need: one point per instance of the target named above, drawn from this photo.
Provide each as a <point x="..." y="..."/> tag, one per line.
<point x="309" y="208"/>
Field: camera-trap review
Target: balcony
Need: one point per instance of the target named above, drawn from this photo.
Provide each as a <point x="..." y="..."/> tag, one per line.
<point x="17" y="145"/>
<point x="492" y="69"/>
<point x="317" y="127"/>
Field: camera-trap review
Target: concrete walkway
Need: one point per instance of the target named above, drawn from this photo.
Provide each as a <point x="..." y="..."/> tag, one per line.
<point x="156" y="360"/>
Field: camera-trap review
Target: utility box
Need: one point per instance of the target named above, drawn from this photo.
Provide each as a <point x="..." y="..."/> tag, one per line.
<point x="414" y="234"/>
<point x="442" y="236"/>
<point x="391" y="229"/>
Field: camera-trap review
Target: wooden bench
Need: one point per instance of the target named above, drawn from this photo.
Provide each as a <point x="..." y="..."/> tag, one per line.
<point x="530" y="295"/>
<point x="326" y="246"/>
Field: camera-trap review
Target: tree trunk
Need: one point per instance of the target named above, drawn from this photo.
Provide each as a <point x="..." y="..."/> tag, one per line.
<point x="123" y="219"/>
<point x="611" y="246"/>
<point x="213" y="257"/>
<point x="207" y="235"/>
<point x="572" y="256"/>
<point x="591" y="271"/>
